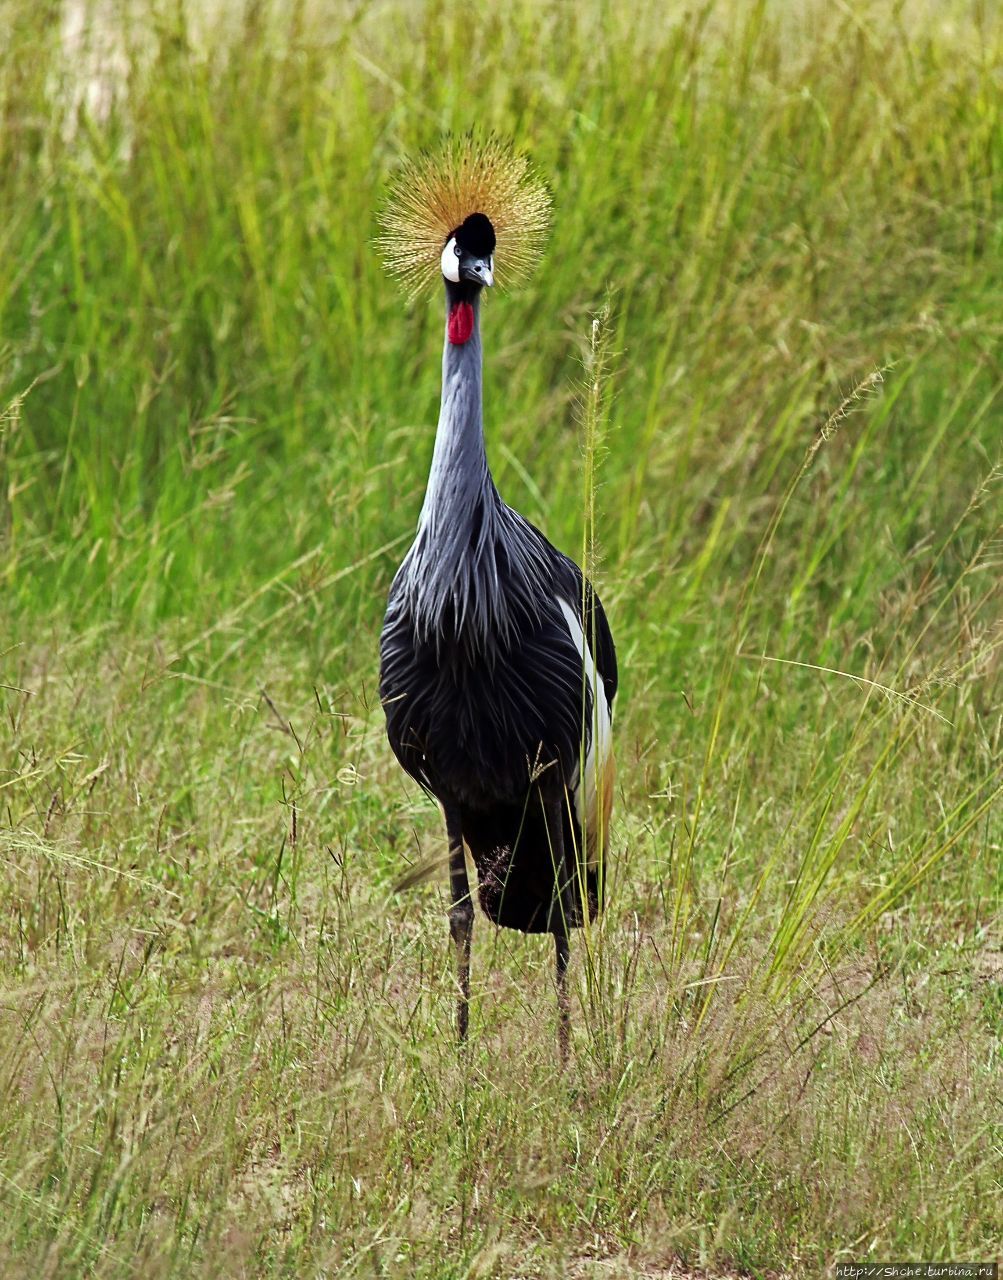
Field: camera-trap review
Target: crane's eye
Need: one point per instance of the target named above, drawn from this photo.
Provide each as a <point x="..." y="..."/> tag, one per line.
<point x="456" y="249"/>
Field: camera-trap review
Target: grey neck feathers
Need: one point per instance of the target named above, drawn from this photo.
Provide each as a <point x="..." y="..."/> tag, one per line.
<point x="475" y="566"/>
<point x="459" y="479"/>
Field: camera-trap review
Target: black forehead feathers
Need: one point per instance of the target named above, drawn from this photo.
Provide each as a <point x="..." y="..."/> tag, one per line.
<point x="476" y="235"/>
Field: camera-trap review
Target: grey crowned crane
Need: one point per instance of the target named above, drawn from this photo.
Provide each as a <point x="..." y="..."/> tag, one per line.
<point x="497" y="666"/>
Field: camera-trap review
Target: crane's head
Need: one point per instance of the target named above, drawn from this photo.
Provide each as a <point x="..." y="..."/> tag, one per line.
<point x="468" y="255"/>
<point x="470" y="214"/>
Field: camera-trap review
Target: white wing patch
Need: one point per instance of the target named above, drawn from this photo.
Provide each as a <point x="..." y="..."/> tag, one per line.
<point x="602" y="726"/>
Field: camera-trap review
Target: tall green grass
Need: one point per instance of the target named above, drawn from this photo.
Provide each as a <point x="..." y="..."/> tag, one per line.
<point x="226" y="1046"/>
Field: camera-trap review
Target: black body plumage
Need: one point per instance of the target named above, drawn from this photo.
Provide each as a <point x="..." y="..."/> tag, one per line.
<point x="483" y="719"/>
<point x="486" y="689"/>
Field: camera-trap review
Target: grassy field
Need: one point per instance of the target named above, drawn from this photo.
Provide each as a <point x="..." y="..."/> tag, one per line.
<point x="226" y="1044"/>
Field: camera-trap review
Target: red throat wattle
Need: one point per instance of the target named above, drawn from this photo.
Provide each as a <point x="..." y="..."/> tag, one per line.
<point x="461" y="323"/>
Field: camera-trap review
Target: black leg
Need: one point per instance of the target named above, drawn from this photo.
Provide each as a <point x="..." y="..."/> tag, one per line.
<point x="461" y="918"/>
<point x="564" y="874"/>
<point x="563" y="955"/>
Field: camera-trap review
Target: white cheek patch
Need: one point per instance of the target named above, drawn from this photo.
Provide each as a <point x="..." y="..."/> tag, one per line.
<point x="450" y="262"/>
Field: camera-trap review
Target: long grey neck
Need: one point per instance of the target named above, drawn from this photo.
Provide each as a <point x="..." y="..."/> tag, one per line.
<point x="453" y="551"/>
<point x="459" y="474"/>
<point x="476" y="570"/>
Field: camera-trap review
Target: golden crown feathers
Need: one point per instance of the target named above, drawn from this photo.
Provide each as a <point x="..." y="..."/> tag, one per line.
<point x="430" y="196"/>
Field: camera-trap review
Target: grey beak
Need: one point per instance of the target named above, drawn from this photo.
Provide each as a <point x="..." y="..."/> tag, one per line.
<point x="477" y="270"/>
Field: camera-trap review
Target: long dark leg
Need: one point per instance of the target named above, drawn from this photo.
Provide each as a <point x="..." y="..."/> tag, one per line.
<point x="563" y="954"/>
<point x="461" y="918"/>
<point x="561" y="923"/>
